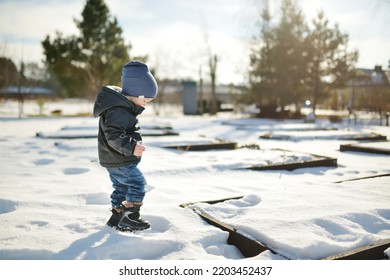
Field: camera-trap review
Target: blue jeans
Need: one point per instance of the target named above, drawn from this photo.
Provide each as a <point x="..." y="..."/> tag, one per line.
<point x="128" y="183"/>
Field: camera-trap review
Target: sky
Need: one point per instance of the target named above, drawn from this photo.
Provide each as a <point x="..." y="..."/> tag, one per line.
<point x="178" y="35"/>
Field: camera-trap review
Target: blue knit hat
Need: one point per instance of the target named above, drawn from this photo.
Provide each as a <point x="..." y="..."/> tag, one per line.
<point x="138" y="81"/>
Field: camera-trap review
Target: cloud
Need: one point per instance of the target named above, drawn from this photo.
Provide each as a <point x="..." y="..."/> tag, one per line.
<point x="31" y="19"/>
<point x="134" y="10"/>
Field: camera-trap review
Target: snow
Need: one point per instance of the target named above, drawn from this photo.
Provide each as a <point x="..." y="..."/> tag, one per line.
<point x="54" y="195"/>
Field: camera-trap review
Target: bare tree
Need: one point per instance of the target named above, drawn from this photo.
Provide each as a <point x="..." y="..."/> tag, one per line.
<point x="212" y="61"/>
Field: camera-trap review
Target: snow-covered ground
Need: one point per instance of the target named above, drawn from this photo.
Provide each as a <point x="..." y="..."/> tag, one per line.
<point x="54" y="195"/>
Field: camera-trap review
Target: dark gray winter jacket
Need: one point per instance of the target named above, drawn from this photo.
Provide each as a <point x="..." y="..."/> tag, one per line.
<point x="118" y="130"/>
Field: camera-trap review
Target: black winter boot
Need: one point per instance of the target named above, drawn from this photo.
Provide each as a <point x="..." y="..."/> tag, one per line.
<point x="114" y="219"/>
<point x="131" y="221"/>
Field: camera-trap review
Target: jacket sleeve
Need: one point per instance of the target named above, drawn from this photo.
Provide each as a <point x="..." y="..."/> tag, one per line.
<point x="118" y="123"/>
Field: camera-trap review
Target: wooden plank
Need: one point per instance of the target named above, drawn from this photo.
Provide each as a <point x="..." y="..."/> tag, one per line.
<point x="372" y="137"/>
<point x="205" y="147"/>
<point x="250" y="247"/>
<point x="163" y="133"/>
<point x="370" y="252"/>
<point x="363" y="178"/>
<point x="357" y="148"/>
<point x="65" y="136"/>
<point x="247" y="246"/>
<point x="274" y="137"/>
<point x="94" y="135"/>
<point x="327" y="162"/>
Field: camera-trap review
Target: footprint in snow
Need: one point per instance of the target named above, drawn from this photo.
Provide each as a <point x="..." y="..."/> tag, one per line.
<point x="75" y="171"/>
<point x="96" y="199"/>
<point x="158" y="224"/>
<point x="148" y="188"/>
<point x="384" y="213"/>
<point x="247" y="201"/>
<point x="39" y="223"/>
<point x="43" y="161"/>
<point x="7" y="206"/>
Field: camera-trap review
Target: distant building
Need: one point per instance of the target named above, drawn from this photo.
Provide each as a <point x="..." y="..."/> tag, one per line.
<point x="197" y="99"/>
<point x="366" y="78"/>
<point x="26" y="92"/>
<point x="368" y="90"/>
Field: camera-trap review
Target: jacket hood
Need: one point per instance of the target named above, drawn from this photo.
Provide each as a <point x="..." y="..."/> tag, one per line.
<point x="111" y="96"/>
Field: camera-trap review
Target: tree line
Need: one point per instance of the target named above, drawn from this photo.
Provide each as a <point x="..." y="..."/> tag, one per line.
<point x="85" y="62"/>
<point x="291" y="60"/>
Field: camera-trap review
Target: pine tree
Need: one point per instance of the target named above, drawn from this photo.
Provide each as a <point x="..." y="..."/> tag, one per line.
<point x="262" y="63"/>
<point x="278" y="68"/>
<point x="8" y="72"/>
<point x="94" y="58"/>
<point x="290" y="55"/>
<point x="331" y="63"/>
<point x="293" y="60"/>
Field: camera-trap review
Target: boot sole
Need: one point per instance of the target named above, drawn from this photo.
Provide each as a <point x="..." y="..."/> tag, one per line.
<point x="130" y="229"/>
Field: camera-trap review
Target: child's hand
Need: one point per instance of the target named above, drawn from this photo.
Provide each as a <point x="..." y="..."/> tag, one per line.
<point x="138" y="150"/>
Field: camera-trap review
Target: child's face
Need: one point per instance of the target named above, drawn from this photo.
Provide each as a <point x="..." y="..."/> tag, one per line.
<point x="140" y="101"/>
